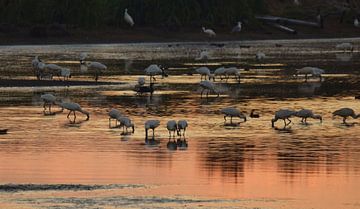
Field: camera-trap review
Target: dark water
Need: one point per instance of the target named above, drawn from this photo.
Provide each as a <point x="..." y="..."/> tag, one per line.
<point x="51" y="163"/>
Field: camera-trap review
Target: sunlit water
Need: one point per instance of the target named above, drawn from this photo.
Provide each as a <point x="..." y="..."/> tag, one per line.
<point x="89" y="165"/>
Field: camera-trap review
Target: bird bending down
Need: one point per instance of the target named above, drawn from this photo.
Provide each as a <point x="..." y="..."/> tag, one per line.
<point x="232" y="112"/>
<point x="232" y="71"/>
<point x="220" y="72"/>
<point x="97" y="66"/>
<point x="345" y="113"/>
<point x="204" y="55"/>
<point x="345" y="47"/>
<point x="237" y="28"/>
<point x="151" y="124"/>
<point x="313" y="71"/>
<point x="209" y="32"/>
<point x="204" y="71"/>
<point x="260" y="56"/>
<point x="128" y="18"/>
<point x="74" y="107"/>
<point x="304" y="114"/>
<point x="208" y="86"/>
<point x="114" y="114"/>
<point x="172" y="127"/>
<point x="182" y="125"/>
<point x="283" y="114"/>
<point x="125" y="123"/>
<point x="48" y="100"/>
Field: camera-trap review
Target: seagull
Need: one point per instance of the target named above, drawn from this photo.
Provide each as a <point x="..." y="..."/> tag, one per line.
<point x="151" y="124"/>
<point x="345" y="113"/>
<point x="209" y="32"/>
<point x="171" y="127"/>
<point x="304" y="114"/>
<point x="182" y="125"/>
<point x="237" y="28"/>
<point x="208" y="86"/>
<point x="128" y="18"/>
<point x="74" y="107"/>
<point x="283" y="114"/>
<point x="114" y="114"/>
<point x="232" y="112"/>
<point x="204" y="71"/>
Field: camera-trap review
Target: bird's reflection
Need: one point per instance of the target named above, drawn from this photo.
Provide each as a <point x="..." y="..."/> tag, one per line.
<point x="344" y="57"/>
<point x="182" y="143"/>
<point x="171" y="145"/>
<point x="152" y="141"/>
<point x="285" y="129"/>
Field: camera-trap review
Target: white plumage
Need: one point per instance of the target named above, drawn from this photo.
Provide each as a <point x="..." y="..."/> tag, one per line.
<point x="182" y="125"/>
<point x="237" y="28"/>
<point x="232" y="112"/>
<point x="345" y="47"/>
<point x="233" y="71"/>
<point x="83" y="56"/>
<point x="204" y="71"/>
<point x="171" y="127"/>
<point x="356" y="22"/>
<point x="114" y="114"/>
<point x="96" y="66"/>
<point x="152" y="71"/>
<point x="74" y="107"/>
<point x="204" y="55"/>
<point x="260" y="56"/>
<point x="304" y="114"/>
<point x="345" y="113"/>
<point x="125" y="122"/>
<point x="209" y="32"/>
<point x="128" y="18"/>
<point x="65" y="73"/>
<point x="220" y="72"/>
<point x="208" y="86"/>
<point x="48" y="100"/>
<point x="314" y="71"/>
<point x="151" y="124"/>
<point x="283" y="114"/>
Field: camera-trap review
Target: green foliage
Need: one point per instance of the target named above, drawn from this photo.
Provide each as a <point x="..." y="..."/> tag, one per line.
<point x="103" y="13"/>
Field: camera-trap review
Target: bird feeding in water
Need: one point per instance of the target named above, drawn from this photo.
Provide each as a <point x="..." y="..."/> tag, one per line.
<point x="172" y="127"/>
<point x="209" y="87"/>
<point x="304" y="114"/>
<point x="154" y="70"/>
<point x="151" y="124"/>
<point x="114" y="114"/>
<point x="96" y="66"/>
<point x="125" y="123"/>
<point x="232" y="112"/>
<point x="283" y="114"/>
<point x="49" y="100"/>
<point x="345" y="113"/>
<point x="74" y="107"/>
<point x="182" y="125"/>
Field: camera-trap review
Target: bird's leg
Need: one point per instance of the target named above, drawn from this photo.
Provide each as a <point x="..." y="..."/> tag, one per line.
<point x="50" y="108"/>
<point x="231" y="119"/>
<point x="202" y="91"/>
<point x="44" y="106"/>
<point x="302" y="120"/>
<point x="289" y="121"/>
<point x="109" y="122"/>
<point x="74" y="115"/>
<point x="153" y="133"/>
<point x="69" y="114"/>
<point x="285" y="122"/>
<point x="344" y="120"/>
<point x="169" y="134"/>
<point x="306" y="77"/>
<point x="305" y="120"/>
<point x="184" y="133"/>
<point x="225" y="119"/>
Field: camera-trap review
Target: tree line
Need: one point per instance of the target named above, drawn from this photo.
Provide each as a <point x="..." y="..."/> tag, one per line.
<point x="110" y="13"/>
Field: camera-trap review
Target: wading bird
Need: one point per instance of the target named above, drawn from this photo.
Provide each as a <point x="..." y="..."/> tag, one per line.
<point x="154" y="70"/>
<point x="232" y="112"/>
<point x="283" y="114"/>
<point x="128" y="18"/>
<point x="97" y="66"/>
<point x="204" y="71"/>
<point x="304" y="114"/>
<point x="114" y="114"/>
<point x="151" y="124"/>
<point x="260" y="56"/>
<point x="125" y="123"/>
<point x="345" y="47"/>
<point x="208" y="86"/>
<point x="48" y="100"/>
<point x="171" y="127"/>
<point x="74" y="107"/>
<point x="209" y="32"/>
<point x="182" y="125"/>
<point x="313" y="71"/>
<point x="237" y="28"/>
<point x="345" y="113"/>
<point x="220" y="72"/>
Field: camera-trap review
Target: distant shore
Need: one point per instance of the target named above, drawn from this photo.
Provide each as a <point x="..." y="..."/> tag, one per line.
<point x="145" y="35"/>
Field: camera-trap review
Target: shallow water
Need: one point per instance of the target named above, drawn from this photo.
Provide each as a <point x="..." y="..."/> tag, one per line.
<point x="250" y="165"/>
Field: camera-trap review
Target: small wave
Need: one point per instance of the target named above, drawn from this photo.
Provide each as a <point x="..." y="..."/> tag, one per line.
<point x="61" y="187"/>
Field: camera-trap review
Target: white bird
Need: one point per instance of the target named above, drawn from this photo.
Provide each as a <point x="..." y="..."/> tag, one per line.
<point x="125" y="122"/>
<point x="151" y="124"/>
<point x="314" y="71"/>
<point x="260" y="56"/>
<point x="296" y="2"/>
<point x="237" y="28"/>
<point x="204" y="55"/>
<point x="208" y="86"/>
<point x="83" y="56"/>
<point x="74" y="107"/>
<point x="114" y="114"/>
<point x="48" y="100"/>
<point x="97" y="66"/>
<point x="209" y="32"/>
<point x="65" y="73"/>
<point x="54" y="70"/>
<point x="232" y="112"/>
<point x="35" y="62"/>
<point x="345" y="113"/>
<point x="204" y="71"/>
<point x="171" y="127"/>
<point x="304" y="114"/>
<point x="154" y="70"/>
<point x="356" y="22"/>
<point x="220" y="72"/>
<point x="38" y="66"/>
<point x="345" y="47"/>
<point x="232" y="71"/>
<point x="128" y="18"/>
<point x="141" y="81"/>
<point x="283" y="114"/>
<point x="182" y="125"/>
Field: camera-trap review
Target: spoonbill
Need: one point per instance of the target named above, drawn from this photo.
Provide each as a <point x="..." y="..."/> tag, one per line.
<point x="83" y="56"/>
<point x="74" y="107"/>
<point x="260" y="56"/>
<point x="204" y="55"/>
<point x="154" y="70"/>
<point x="65" y="73"/>
<point x="48" y="100"/>
<point x="182" y="125"/>
<point x="114" y="114"/>
<point x="209" y="32"/>
<point x="208" y="86"/>
<point x="232" y="71"/>
<point x="356" y="22"/>
<point x="283" y="114"/>
<point x="220" y="72"/>
<point x="314" y="71"/>
<point x="125" y="122"/>
<point x="232" y="112"/>
<point x="171" y="127"/>
<point x="304" y="114"/>
<point x="204" y="71"/>
<point x="345" y="113"/>
<point x="151" y="124"/>
<point x="97" y="66"/>
<point x="128" y="18"/>
<point x="345" y="47"/>
<point x="237" y="28"/>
